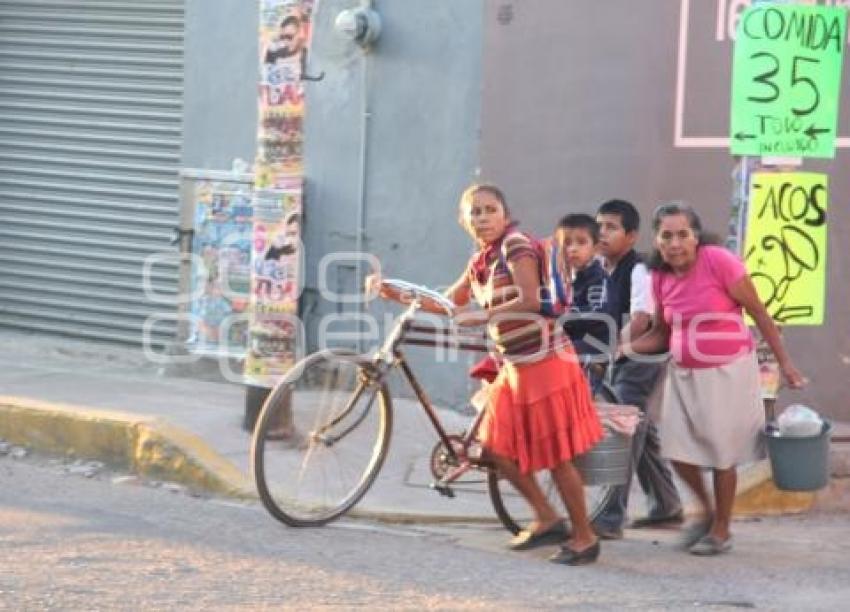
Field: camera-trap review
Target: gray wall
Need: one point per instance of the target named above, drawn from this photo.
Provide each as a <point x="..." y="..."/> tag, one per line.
<point x="220" y="101"/>
<point x="578" y="107"/>
<point x="423" y="93"/>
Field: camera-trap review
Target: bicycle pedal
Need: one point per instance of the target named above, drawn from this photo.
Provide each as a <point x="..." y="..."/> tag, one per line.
<point x="443" y="490"/>
<point x="483" y="464"/>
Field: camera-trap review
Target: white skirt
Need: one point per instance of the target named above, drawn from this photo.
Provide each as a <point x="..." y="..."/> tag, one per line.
<point x="713" y="417"/>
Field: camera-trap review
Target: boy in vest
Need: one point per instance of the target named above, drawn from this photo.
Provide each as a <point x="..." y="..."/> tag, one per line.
<point x="576" y="239"/>
<point x="630" y="302"/>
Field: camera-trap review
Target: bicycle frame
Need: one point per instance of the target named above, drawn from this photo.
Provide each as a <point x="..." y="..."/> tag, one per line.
<point x="454" y="454"/>
<point x="387" y="357"/>
<point x="390" y="355"/>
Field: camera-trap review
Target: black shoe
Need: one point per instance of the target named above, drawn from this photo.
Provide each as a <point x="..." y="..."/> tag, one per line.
<point x="671" y="520"/>
<point x="567" y="556"/>
<point x="526" y="540"/>
<point x="607" y="533"/>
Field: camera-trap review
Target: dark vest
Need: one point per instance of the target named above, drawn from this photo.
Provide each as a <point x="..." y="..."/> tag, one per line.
<point x="620" y="287"/>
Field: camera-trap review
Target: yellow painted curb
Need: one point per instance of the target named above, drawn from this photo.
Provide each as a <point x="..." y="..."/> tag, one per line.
<point x="167" y="452"/>
<point x="68" y="430"/>
<point x="144" y="445"/>
<point x="757" y="495"/>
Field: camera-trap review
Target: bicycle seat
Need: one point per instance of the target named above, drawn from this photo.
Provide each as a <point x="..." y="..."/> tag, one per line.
<point x="485" y="369"/>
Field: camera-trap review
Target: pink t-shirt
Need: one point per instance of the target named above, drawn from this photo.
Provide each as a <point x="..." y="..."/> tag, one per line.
<point x="707" y="327"/>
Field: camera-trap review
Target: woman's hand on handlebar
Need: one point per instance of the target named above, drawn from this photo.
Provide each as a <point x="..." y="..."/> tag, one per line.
<point x="373" y="286"/>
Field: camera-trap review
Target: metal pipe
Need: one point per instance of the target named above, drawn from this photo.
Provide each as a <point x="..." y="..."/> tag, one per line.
<point x="361" y="204"/>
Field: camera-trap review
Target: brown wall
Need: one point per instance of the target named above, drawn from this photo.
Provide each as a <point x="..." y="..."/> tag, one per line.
<point x="579" y="106"/>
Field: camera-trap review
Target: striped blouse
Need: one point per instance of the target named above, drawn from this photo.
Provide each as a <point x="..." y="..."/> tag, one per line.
<point x="518" y="336"/>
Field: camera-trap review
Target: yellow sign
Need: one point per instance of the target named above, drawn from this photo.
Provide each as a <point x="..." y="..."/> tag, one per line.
<point x="785" y="248"/>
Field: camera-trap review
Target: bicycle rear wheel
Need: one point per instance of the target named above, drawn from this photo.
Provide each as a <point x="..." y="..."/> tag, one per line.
<point x="514" y="512"/>
<point x="321" y="439"/>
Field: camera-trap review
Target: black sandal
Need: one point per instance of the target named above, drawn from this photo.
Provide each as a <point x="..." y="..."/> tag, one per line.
<point x="568" y="556"/>
<point x="526" y="540"/>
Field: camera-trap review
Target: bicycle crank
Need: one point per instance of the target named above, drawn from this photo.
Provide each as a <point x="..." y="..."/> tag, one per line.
<point x="442" y="461"/>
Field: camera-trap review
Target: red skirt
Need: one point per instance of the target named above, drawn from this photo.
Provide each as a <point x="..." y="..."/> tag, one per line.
<point x="540" y="414"/>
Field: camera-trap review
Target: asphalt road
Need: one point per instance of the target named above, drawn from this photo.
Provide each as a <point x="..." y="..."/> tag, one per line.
<point x="68" y="542"/>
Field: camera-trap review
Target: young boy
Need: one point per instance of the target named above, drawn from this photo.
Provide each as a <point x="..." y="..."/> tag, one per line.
<point x="630" y="298"/>
<point x="576" y="238"/>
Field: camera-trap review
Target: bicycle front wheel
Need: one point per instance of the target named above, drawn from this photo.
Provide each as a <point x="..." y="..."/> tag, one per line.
<point x="321" y="438"/>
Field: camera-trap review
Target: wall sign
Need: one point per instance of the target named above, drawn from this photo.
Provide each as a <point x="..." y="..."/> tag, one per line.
<point x="786" y="80"/>
<point x="785" y="249"/>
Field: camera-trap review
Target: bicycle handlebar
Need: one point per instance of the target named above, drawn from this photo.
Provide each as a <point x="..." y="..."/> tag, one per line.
<point x="418" y="291"/>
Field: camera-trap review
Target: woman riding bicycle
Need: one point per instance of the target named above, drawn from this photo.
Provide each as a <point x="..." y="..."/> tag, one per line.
<point x="539" y="414"/>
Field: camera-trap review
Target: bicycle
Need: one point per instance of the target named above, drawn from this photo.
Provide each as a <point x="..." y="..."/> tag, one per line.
<point x="342" y="433"/>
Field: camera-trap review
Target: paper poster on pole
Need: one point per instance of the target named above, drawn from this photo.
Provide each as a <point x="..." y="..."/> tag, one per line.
<point x="276" y="260"/>
<point x="276" y="269"/>
<point x="786" y="80"/>
<point x="284" y="35"/>
<point x="785" y="248"/>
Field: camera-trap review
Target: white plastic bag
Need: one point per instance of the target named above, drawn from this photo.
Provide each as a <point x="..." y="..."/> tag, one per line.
<point x="798" y="421"/>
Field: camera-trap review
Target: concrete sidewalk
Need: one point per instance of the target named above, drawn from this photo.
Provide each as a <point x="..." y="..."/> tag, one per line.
<point x="108" y="403"/>
<point x="101" y="402"/>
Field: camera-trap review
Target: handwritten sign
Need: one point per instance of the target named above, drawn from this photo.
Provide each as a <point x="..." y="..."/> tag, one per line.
<point x="786" y="79"/>
<point x="785" y="248"/>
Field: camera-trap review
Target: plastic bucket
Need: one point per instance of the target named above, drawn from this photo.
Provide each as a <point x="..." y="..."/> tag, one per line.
<point x="609" y="462"/>
<point x="799" y="464"/>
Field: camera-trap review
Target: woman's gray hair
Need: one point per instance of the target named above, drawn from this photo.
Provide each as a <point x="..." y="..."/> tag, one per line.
<point x="668" y="209"/>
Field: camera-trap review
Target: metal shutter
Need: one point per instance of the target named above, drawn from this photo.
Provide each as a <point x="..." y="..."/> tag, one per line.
<point x="90" y="139"/>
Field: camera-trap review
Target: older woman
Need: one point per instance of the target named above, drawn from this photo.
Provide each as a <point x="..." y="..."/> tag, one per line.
<point x="712" y="411"/>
